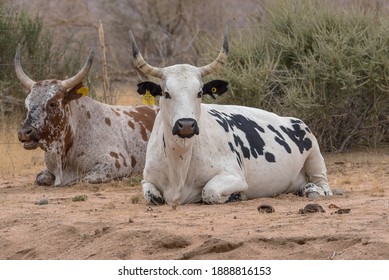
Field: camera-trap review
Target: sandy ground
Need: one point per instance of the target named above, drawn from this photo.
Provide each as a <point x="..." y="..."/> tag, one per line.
<point x="115" y="223"/>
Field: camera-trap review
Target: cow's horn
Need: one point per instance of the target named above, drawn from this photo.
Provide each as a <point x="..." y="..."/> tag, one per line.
<point x="140" y="63"/>
<point x="219" y="61"/>
<point x="75" y="80"/>
<point x="26" y="81"/>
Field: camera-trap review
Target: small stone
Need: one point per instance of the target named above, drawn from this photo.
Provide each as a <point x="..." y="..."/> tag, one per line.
<point x="338" y="192"/>
<point x="130" y="220"/>
<point x="264" y="208"/>
<point x="42" y="201"/>
<point x="365" y="241"/>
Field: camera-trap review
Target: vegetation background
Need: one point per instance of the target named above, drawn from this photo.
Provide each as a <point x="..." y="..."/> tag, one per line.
<point x="325" y="62"/>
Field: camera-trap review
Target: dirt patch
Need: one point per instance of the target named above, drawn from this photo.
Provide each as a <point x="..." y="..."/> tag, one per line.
<point x="113" y="222"/>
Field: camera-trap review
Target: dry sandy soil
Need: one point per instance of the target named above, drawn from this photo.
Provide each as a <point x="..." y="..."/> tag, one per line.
<point x="115" y="223"/>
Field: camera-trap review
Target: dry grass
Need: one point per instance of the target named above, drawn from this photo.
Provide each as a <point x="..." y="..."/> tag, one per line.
<point x="126" y="95"/>
<point x="15" y="160"/>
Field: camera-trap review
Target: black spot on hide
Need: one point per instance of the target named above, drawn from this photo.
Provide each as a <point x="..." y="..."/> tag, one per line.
<point x="238" y="158"/>
<point x="270" y="157"/>
<point x="280" y="139"/>
<point x="297" y="134"/>
<point x="235" y="122"/>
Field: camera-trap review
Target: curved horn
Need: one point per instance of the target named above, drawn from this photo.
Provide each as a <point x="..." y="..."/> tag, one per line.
<point x="140" y="63"/>
<point x="75" y="80"/>
<point x="219" y="61"/>
<point x="26" y="81"/>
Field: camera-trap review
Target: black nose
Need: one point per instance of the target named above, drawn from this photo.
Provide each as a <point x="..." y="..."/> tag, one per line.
<point x="185" y="128"/>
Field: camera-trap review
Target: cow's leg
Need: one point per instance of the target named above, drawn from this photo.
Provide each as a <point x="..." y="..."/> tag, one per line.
<point x="101" y="173"/>
<point x="316" y="172"/>
<point x="224" y="188"/>
<point x="96" y="178"/>
<point x="151" y="194"/>
<point x="45" y="178"/>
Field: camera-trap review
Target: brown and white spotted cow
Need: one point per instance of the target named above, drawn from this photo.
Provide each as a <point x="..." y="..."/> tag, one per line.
<point x="83" y="140"/>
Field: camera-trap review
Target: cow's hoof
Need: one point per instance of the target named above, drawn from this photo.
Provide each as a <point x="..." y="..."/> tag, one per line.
<point x="313" y="191"/>
<point x="234" y="197"/>
<point x="45" y="178"/>
<point x="154" y="199"/>
<point x="313" y="194"/>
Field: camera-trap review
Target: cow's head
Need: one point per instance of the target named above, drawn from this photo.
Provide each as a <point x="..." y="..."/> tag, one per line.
<point x="181" y="90"/>
<point x="47" y="105"/>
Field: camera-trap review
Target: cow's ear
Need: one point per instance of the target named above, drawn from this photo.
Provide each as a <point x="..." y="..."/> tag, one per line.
<point x="153" y="88"/>
<point x="74" y="93"/>
<point x="215" y="87"/>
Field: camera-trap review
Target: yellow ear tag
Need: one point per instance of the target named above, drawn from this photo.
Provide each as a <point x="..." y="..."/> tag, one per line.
<point x="148" y="99"/>
<point x="213" y="90"/>
<point x="83" y="91"/>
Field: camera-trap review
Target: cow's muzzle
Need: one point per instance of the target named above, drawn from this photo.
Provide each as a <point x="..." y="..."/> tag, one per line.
<point x="29" y="136"/>
<point x="185" y="128"/>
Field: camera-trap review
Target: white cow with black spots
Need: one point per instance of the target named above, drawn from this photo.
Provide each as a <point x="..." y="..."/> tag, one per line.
<point x="83" y="140"/>
<point x="216" y="154"/>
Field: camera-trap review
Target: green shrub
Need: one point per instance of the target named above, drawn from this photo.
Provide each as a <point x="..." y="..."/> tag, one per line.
<point x="324" y="64"/>
<point x="80" y="197"/>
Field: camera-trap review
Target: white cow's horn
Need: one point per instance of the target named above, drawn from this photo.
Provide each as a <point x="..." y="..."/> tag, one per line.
<point x="75" y="80"/>
<point x="219" y="61"/>
<point x="140" y="63"/>
<point x="24" y="79"/>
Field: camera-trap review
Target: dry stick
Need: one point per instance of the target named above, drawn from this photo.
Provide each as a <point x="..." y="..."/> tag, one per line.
<point x="106" y="90"/>
<point x="2" y="111"/>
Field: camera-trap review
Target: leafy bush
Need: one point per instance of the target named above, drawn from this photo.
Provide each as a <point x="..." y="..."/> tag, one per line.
<point x="323" y="64"/>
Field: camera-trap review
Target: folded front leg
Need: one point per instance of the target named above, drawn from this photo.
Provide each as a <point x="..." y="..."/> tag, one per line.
<point x="45" y="178"/>
<point x="224" y="188"/>
<point x="151" y="194"/>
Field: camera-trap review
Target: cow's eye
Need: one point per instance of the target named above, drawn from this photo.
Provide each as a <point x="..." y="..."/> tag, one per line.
<point x="199" y="94"/>
<point x="167" y="95"/>
<point x="53" y="104"/>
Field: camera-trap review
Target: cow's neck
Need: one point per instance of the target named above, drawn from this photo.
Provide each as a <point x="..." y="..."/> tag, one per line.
<point x="58" y="151"/>
<point x="178" y="154"/>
